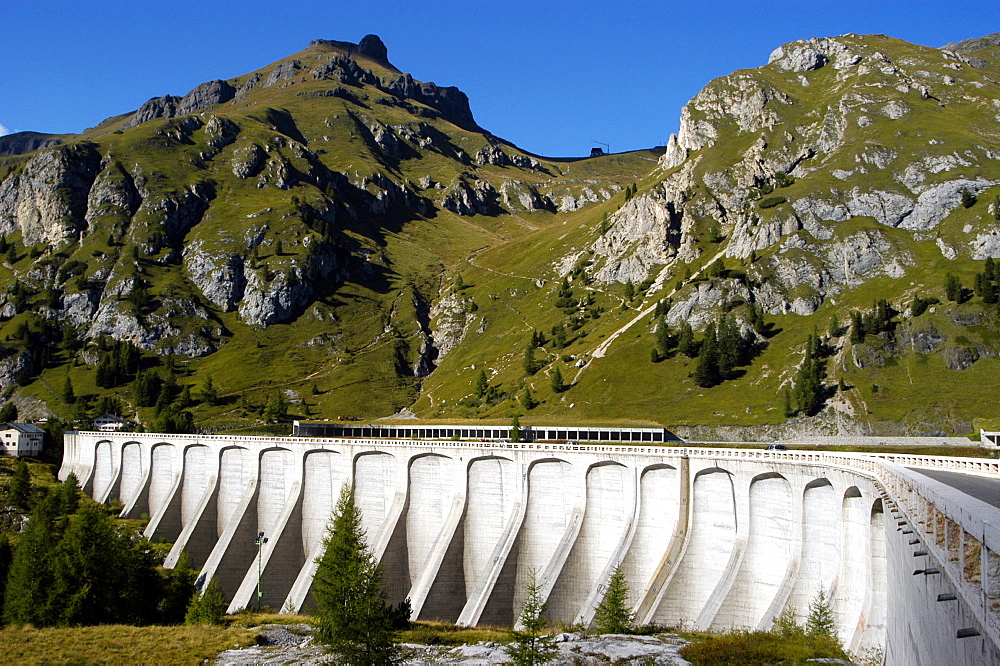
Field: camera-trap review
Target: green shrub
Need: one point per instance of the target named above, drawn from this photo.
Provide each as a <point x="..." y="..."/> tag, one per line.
<point x="771" y="202"/>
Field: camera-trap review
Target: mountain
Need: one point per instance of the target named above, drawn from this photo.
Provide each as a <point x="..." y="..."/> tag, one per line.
<point x="329" y="231"/>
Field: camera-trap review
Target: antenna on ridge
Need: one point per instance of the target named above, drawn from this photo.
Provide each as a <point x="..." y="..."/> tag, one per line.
<point x="597" y="152"/>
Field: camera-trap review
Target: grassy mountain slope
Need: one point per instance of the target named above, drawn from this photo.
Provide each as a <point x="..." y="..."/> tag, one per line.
<point x="328" y="230"/>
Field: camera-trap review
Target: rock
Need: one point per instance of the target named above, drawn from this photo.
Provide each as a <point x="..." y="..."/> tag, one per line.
<point x="19" y="143"/>
<point x="372" y="47"/>
<point x="478" y="198"/>
<point x="287" y="293"/>
<point x="519" y="196"/>
<point x="450" y="101"/>
<point x="220" y="277"/>
<point x="959" y="358"/>
<point x="645" y="232"/>
<point x="248" y="161"/>
<point x="801" y="56"/>
<point x="14" y="366"/>
<point x="114" y="196"/>
<point x="205" y="95"/>
<point x="284" y="70"/>
<point x="674" y="155"/>
<point x="47" y="202"/>
<point x="170" y="106"/>
<point x="450" y="320"/>
<point x="221" y="132"/>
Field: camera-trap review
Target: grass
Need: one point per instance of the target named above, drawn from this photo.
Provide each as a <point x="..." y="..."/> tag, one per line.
<point x="757" y="648"/>
<point x="119" y="644"/>
<point x="441" y="633"/>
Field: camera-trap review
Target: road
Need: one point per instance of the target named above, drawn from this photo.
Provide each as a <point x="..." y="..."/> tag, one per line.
<point x="980" y="487"/>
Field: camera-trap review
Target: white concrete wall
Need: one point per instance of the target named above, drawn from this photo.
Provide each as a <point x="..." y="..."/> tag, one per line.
<point x="234" y="475"/>
<point x="658" y="511"/>
<point x="821" y="552"/>
<point x="132" y="471"/>
<point x="773" y="541"/>
<point x="324" y="477"/>
<point x="711" y="538"/>
<point x="709" y="547"/>
<point x="163" y="475"/>
<point x="197" y="468"/>
<point x="493" y="491"/>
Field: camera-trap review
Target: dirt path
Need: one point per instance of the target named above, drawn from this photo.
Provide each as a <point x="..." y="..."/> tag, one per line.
<point x="602" y="349"/>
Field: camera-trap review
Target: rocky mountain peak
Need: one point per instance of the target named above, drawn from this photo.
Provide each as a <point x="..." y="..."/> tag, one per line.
<point x="372" y="47"/>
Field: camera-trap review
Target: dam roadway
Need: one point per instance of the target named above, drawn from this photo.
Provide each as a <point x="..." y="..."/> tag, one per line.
<point x="709" y="539"/>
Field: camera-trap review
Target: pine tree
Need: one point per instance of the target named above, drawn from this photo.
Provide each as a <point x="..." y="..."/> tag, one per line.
<point x="8" y="413"/>
<point x="556" y="380"/>
<point x="820" y="621"/>
<point x="353" y="617"/>
<point x="613" y="615"/>
<point x="26" y="596"/>
<point x="19" y="490"/>
<point x="6" y="557"/>
<point x="788" y="410"/>
<point x="515" y="429"/>
<point x="706" y="373"/>
<point x="857" y="328"/>
<point x="664" y="337"/>
<point x="834" y="329"/>
<point x="629" y="291"/>
<point x="276" y="407"/>
<point x="482" y="384"/>
<point x="685" y="341"/>
<point x="529" y="646"/>
<point x="968" y="198"/>
<point x="209" y="607"/>
<point x="69" y="396"/>
<point x="68" y="495"/>
<point x="528" y="400"/>
<point x="210" y="395"/>
<point x="529" y="361"/>
<point x="953" y="288"/>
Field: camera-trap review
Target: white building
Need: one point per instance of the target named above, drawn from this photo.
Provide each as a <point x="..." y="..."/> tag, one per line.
<point x="21" y="439"/>
<point x="108" y="423"/>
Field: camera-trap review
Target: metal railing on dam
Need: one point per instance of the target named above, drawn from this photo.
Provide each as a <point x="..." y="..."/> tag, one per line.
<point x="708" y="538"/>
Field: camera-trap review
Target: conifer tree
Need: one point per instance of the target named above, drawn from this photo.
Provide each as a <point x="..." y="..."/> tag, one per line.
<point x="529" y="361"/>
<point x="19" y="490"/>
<point x="353" y="617"/>
<point x="686" y="343"/>
<point x="629" y="291"/>
<point x="820" y="621"/>
<point x="482" y="384"/>
<point x="210" y="395"/>
<point x="26" y="596"/>
<point x="209" y="607"/>
<point x="69" y="395"/>
<point x="613" y="615"/>
<point x="706" y="373"/>
<point x="857" y="328"/>
<point x="529" y="645"/>
<point x="8" y="413"/>
<point x="556" y="380"/>
<point x="6" y="557"/>
<point x="527" y="399"/>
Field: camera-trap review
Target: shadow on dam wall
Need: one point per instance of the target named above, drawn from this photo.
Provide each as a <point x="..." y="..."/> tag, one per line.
<point x="708" y="539"/>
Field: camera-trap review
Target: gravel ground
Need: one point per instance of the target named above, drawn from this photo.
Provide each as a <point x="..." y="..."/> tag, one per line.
<point x="293" y="644"/>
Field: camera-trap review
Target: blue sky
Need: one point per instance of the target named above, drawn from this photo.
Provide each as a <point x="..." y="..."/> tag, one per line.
<point x="552" y="77"/>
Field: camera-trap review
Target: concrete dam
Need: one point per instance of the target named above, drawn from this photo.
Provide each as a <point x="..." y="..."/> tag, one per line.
<point x="709" y="539"/>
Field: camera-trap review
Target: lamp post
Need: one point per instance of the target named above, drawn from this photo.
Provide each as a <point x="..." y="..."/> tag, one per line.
<point x="261" y="540"/>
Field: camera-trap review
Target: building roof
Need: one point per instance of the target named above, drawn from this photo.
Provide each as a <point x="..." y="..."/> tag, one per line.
<point x="27" y="428"/>
<point x="109" y="417"/>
